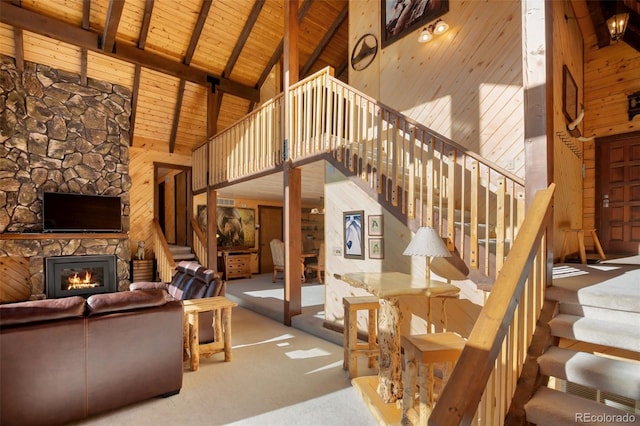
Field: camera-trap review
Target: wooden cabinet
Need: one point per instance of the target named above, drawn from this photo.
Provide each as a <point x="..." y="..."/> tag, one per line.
<point x="237" y="264"/>
<point x="142" y="270"/>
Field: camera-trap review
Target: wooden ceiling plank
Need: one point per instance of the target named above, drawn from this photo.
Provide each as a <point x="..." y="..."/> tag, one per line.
<point x="60" y="30"/>
<point x="146" y="20"/>
<point x="176" y="117"/>
<point x="195" y="37"/>
<point x="325" y="41"/>
<point x="114" y="13"/>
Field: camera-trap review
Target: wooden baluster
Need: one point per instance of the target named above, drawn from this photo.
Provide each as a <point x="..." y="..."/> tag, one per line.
<point x="475" y="183"/>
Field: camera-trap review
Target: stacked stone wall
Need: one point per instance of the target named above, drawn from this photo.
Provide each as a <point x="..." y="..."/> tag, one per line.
<point x="59" y="135"/>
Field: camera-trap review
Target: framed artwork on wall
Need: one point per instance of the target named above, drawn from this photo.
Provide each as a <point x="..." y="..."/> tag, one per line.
<point x="376" y="225"/>
<point x="376" y="248"/>
<point x="353" y="234"/>
<point x="401" y="17"/>
<point x="236" y="227"/>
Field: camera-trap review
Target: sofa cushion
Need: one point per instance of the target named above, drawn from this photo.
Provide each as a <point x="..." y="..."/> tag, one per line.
<point x="146" y="285"/>
<point x="125" y="300"/>
<point x="41" y="310"/>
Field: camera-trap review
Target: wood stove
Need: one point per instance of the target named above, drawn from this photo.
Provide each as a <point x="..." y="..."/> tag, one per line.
<point x="80" y="275"/>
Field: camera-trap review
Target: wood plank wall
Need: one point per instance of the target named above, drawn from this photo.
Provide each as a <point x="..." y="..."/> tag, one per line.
<point x="465" y="84"/>
<point x="567" y="151"/>
<point x="141" y="172"/>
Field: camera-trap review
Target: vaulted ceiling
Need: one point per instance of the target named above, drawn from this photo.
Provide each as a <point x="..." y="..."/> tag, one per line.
<point x="171" y="53"/>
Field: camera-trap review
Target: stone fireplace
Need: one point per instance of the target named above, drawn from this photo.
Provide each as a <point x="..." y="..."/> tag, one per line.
<point x="79" y="275"/>
<point x="60" y="135"/>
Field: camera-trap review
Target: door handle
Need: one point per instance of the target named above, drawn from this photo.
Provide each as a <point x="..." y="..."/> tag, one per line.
<point x="605" y="201"/>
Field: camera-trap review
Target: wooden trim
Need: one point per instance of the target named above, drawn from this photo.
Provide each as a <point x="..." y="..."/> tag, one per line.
<point x="19" y="48"/>
<point x="176" y="117"/>
<point x="134" y="103"/>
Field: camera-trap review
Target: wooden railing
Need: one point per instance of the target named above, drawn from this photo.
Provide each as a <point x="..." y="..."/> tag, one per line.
<point x="165" y="263"/>
<point x="484" y="379"/>
<point x="199" y="242"/>
<point x="425" y="176"/>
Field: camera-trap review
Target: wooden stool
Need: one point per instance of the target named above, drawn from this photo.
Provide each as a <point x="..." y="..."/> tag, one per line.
<point x="580" y="236"/>
<point x="421" y="352"/>
<point x="351" y="346"/>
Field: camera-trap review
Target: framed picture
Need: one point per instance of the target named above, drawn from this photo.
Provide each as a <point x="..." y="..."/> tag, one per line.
<point x="569" y="95"/>
<point x="236" y="227"/>
<point x="353" y="234"/>
<point x="376" y="248"/>
<point x="401" y="17"/>
<point x="376" y="225"/>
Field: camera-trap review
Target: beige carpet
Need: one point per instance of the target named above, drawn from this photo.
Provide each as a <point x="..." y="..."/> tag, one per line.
<point x="279" y="376"/>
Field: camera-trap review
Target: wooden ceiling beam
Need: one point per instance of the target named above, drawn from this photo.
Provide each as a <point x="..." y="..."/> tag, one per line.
<point x="244" y="35"/>
<point x="195" y="36"/>
<point x="60" y="30"/>
<point x="325" y="41"/>
<point x="134" y="103"/>
<point x="114" y="13"/>
<point x="146" y="21"/>
<point x="176" y="118"/>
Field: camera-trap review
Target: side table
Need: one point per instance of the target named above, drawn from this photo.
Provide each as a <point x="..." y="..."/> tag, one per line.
<point x="221" y="306"/>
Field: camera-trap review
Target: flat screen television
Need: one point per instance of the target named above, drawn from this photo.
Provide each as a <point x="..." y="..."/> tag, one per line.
<point x="67" y="212"/>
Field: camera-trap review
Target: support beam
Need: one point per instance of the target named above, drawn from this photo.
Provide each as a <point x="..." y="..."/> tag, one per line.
<point x="212" y="225"/>
<point x="146" y="20"/>
<point x="134" y="102"/>
<point x="195" y="36"/>
<point x="114" y="13"/>
<point x="325" y="41"/>
<point x="176" y="117"/>
<point x="18" y="42"/>
<point x="293" y="242"/>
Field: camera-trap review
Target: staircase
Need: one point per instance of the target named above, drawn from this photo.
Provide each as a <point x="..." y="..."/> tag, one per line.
<point x="181" y="253"/>
<point x="596" y="367"/>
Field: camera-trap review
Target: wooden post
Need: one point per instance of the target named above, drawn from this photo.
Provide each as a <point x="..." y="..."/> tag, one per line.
<point x="212" y="196"/>
<point x="292" y="176"/>
<point x="293" y="242"/>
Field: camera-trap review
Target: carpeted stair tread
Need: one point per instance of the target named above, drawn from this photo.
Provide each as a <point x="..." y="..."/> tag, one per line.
<point x="604" y="286"/>
<point x="549" y="407"/>
<point x="613" y="334"/>
<point x="595" y="312"/>
<point x="607" y="374"/>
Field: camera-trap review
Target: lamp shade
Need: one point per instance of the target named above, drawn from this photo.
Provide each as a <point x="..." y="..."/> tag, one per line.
<point x="617" y="25"/>
<point x="427" y="242"/>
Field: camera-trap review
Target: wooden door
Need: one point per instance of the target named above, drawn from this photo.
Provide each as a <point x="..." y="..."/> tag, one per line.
<point x="270" y="227"/>
<point x="618" y="194"/>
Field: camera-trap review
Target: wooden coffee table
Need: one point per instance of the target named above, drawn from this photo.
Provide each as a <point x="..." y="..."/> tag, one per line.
<point x="221" y="306"/>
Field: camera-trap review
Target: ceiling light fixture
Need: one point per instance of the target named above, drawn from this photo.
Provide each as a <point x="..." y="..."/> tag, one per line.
<point x="617" y="24"/>
<point x="439" y="27"/>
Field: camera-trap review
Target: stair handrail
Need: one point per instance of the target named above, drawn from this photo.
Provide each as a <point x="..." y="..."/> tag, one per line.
<point x="199" y="242"/>
<point x="166" y="265"/>
<point x="419" y="175"/>
<point x="497" y="345"/>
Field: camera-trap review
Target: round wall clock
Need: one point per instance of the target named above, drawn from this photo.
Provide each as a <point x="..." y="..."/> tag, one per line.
<point x="364" y="52"/>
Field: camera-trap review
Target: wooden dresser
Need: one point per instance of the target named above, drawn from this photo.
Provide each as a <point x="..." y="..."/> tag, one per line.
<point x="237" y="264"/>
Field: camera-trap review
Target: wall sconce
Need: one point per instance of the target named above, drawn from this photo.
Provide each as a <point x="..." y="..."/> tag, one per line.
<point x="439" y="27"/>
<point x="617" y="24"/>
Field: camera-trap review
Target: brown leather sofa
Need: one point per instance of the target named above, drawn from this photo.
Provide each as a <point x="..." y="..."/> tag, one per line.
<point x="67" y="359"/>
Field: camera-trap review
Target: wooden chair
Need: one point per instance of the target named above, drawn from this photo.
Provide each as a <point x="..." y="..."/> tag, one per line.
<point x="319" y="266"/>
<point x="277" y="254"/>
<point x="352" y="348"/>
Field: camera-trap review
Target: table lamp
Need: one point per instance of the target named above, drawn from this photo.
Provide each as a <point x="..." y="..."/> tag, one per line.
<point x="428" y="243"/>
